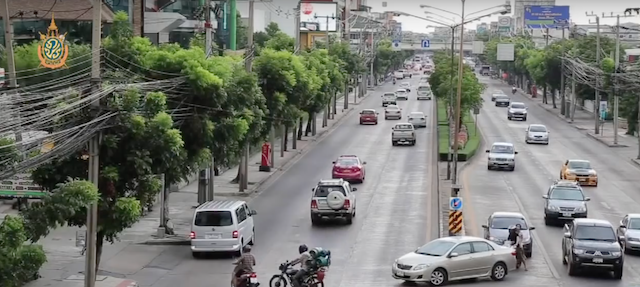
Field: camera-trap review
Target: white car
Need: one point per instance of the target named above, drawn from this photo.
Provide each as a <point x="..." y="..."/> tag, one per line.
<point x="392" y="112"/>
<point x="402" y="94"/>
<point x="537" y="134"/>
<point x="418" y="119"/>
<point x="424" y="92"/>
<point x="406" y="86"/>
<point x="399" y="75"/>
<point x="455" y="258"/>
<point x="502" y="155"/>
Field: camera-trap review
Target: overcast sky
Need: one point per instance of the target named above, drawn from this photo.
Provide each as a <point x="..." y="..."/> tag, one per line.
<point x="578" y="9"/>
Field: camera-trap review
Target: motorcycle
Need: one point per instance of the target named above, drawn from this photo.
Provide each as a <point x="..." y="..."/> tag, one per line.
<point x="315" y="279"/>
<point x="513" y="91"/>
<point x="247" y="280"/>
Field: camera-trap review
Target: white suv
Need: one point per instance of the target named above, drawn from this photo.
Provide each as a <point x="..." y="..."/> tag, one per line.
<point x="332" y="199"/>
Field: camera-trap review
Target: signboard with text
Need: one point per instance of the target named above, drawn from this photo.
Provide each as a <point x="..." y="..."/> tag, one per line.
<point x="552" y="17"/>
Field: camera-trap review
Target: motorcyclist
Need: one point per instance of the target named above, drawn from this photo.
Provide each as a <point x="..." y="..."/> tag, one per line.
<point x="244" y="265"/>
<point x="513" y="89"/>
<point x="306" y="263"/>
<point x="394" y="80"/>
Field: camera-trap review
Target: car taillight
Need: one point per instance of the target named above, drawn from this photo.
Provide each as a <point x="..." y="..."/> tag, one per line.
<point x="314" y="204"/>
<point x="347" y="204"/>
<point x="355" y="168"/>
<point x="234" y="234"/>
<point x="192" y="235"/>
<point x="253" y="275"/>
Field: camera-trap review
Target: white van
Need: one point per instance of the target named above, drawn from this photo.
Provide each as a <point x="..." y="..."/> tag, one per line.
<point x="222" y="226"/>
<point x="399" y="74"/>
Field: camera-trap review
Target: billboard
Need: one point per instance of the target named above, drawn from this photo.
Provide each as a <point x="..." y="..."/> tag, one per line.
<point x="493" y="26"/>
<point x="396" y="34"/>
<point x="552" y="17"/>
<point x="324" y="14"/>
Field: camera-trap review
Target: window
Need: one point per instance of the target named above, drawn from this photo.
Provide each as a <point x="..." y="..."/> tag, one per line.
<point x="506" y="222"/>
<point x="213" y="218"/>
<point x="347" y="162"/>
<point x="507" y="149"/>
<point x="248" y="210"/>
<point x="633" y="223"/>
<point x="566" y="194"/>
<point x="518" y="106"/>
<point x="537" y="129"/>
<point x="579" y="165"/>
<point x="404" y="127"/>
<point x="323" y="191"/>
<point x="423" y="89"/>
<point x="462" y="249"/>
<point x="597" y="233"/>
<point x="481" y="247"/>
<point x="368" y="112"/>
<point x="241" y="214"/>
<point x="436" y="248"/>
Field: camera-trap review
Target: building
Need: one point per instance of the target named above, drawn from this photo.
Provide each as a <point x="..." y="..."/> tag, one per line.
<point x="629" y="32"/>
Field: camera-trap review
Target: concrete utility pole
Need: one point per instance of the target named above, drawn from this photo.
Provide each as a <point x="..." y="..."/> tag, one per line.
<point x="325" y="114"/>
<point x="372" y="77"/>
<point x="451" y="98"/>
<point x="296" y="49"/>
<point x="596" y="104"/>
<point x="347" y="38"/>
<point x="248" y="64"/>
<point x="11" y="66"/>
<point x="563" y="105"/>
<point x="207" y="29"/>
<point x="94" y="149"/>
<point x="454" y="181"/>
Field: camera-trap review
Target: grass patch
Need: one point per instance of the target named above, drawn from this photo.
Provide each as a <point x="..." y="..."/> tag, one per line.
<point x="473" y="143"/>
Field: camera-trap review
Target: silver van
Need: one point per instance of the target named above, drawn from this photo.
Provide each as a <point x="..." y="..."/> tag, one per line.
<point x="222" y="226"/>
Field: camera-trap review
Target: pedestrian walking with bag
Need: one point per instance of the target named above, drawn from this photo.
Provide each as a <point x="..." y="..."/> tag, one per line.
<point x="520" y="256"/>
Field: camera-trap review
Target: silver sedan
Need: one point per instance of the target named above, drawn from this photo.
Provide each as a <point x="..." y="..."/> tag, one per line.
<point x="455" y="258"/>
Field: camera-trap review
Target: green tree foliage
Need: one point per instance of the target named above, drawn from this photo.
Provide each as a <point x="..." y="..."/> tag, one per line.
<point x="444" y="85"/>
<point x="19" y="262"/>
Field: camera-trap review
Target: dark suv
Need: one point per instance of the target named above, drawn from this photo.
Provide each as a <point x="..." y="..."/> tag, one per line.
<point x="564" y="200"/>
<point x="592" y="243"/>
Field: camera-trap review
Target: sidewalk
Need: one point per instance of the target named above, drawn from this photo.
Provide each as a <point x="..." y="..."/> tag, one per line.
<point x="127" y="257"/>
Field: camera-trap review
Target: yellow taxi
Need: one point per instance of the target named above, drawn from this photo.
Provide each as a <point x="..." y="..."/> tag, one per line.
<point x="580" y="171"/>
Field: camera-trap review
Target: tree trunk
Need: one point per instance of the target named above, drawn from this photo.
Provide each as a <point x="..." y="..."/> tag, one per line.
<point x="300" y="128"/>
<point x="286" y="137"/>
<point x="307" y="130"/>
<point x="165" y="209"/>
<point x="553" y="99"/>
<point x="237" y="178"/>
<point x="99" y="245"/>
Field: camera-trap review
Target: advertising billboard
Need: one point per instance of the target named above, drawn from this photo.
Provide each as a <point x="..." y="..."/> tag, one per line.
<point x="552" y="17"/>
<point x="325" y="14"/>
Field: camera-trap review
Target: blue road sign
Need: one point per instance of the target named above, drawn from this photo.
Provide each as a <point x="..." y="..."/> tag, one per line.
<point x="396" y="45"/>
<point x="552" y="17"/>
<point x="455" y="203"/>
<point x="397" y="32"/>
<point x="425" y="43"/>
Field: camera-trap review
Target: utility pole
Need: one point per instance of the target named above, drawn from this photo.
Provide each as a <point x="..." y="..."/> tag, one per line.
<point x="208" y="46"/>
<point x="451" y="98"/>
<point x="296" y="50"/>
<point x="233" y="24"/>
<point x="11" y="66"/>
<point x="454" y="181"/>
<point x="372" y="77"/>
<point x="94" y="149"/>
<point x="562" y="84"/>
<point x="325" y="114"/>
<point x="596" y="104"/>
<point x="347" y="38"/>
<point x="544" y="89"/>
<point x="248" y="64"/>
<point x="207" y="29"/>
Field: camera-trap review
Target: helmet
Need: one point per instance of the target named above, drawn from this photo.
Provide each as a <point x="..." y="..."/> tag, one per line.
<point x="246" y="248"/>
<point x="302" y="248"/>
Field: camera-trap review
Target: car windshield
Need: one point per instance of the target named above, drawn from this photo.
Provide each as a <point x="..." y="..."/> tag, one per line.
<point x="347" y="162"/>
<point x="392" y="107"/>
<point x="596" y="233"/>
<point x="517" y="106"/>
<point x="498" y="92"/>
<point x="566" y="194"/>
<point x="634" y="223"/>
<point x="213" y="218"/>
<point x="416" y="115"/>
<point x="538" y="129"/>
<point x="323" y="191"/>
<point x="502" y="97"/>
<point x="423" y="89"/>
<point x="436" y="248"/>
<point x="506" y="222"/>
<point x="401" y="91"/>
<point x="403" y="127"/>
<point x="368" y="112"/>
<point x="579" y="165"/>
<point x="502" y="149"/>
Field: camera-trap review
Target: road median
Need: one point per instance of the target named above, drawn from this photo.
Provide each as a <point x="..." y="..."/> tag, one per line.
<point x="468" y="138"/>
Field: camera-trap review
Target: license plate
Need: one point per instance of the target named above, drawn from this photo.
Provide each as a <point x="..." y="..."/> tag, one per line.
<point x="213" y="236"/>
<point x="597" y="260"/>
<point x="566" y="214"/>
<point x="253" y="279"/>
<point x="583" y="179"/>
<point x="399" y="273"/>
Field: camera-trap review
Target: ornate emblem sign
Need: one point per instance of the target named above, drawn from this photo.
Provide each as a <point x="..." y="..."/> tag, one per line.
<point x="53" y="51"/>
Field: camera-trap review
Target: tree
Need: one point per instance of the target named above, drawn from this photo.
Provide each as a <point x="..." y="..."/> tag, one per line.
<point x="19" y="262"/>
<point x="260" y="38"/>
<point x="280" y="41"/>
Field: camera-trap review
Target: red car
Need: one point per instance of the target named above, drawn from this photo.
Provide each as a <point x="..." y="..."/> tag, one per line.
<point x="368" y="116"/>
<point x="349" y="167"/>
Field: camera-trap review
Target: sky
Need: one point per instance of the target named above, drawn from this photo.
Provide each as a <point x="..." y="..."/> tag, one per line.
<point x="578" y="10"/>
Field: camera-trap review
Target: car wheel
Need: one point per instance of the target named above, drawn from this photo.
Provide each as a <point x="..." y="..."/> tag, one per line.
<point x="315" y="220"/>
<point x="196" y="254"/>
<point x="349" y="219"/>
<point x="361" y="122"/>
<point x="528" y="254"/>
<point x="386" y="118"/>
<point x="512" y="168"/>
<point x="524" y="119"/>
<point x="498" y="272"/>
<point x="253" y="238"/>
<point x="488" y="167"/>
<point x="394" y="143"/>
<point x="527" y="141"/>
<point x="375" y="123"/>
<point x="617" y="272"/>
<point x="573" y="269"/>
<point x="546" y="143"/>
<point x="547" y="222"/>
<point x="239" y="252"/>
<point x="509" y="118"/>
<point x="438" y="277"/>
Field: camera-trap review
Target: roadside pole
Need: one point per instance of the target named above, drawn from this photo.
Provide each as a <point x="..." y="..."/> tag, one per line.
<point x="596" y="103"/>
<point x="11" y="66"/>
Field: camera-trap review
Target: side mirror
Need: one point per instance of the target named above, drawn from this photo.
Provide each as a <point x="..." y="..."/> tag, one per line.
<point x="313" y="189"/>
<point x="515" y="152"/>
<point x="485" y="226"/>
<point x="487" y="151"/>
<point x="532" y="228"/>
<point x="567" y="235"/>
<point x="587" y="199"/>
<point x="333" y="162"/>
<point x="364" y="162"/>
<point x="453" y="255"/>
<point x="354" y="189"/>
<point x="545" y="196"/>
<point x="253" y="212"/>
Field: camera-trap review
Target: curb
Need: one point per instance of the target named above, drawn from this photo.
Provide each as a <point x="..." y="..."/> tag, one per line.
<point x="600" y="140"/>
<point x="167" y="241"/>
<point x="636" y="162"/>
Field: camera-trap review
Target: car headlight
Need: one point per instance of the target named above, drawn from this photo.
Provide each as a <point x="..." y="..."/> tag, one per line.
<point x="511" y="159"/>
<point x="581" y="209"/>
<point x="420" y="267"/>
<point x="633" y="239"/>
<point x="524" y="112"/>
<point x="553" y="208"/>
<point x="616" y="253"/>
<point x="578" y="251"/>
<point x="593" y="172"/>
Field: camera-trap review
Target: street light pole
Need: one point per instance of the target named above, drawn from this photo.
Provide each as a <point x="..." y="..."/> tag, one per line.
<point x="596" y="104"/>
<point x="450" y="107"/>
<point x="457" y="111"/>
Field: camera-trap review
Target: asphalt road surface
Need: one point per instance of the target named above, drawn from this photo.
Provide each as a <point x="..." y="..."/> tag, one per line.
<point x="537" y="166"/>
<point x="394" y="207"/>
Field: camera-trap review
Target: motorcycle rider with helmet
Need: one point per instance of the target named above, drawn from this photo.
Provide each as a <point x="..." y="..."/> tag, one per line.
<point x="244" y="265"/>
<point x="513" y="90"/>
<point x="306" y="264"/>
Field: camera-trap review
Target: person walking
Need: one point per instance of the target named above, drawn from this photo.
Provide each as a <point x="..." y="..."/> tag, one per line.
<point x="520" y="257"/>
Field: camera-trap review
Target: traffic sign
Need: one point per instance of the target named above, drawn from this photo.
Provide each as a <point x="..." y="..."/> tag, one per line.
<point x="455" y="203"/>
<point x="425" y="43"/>
<point x="396" y="45"/>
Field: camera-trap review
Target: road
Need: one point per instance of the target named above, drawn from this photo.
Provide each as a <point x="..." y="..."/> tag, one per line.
<point x="394" y="210"/>
<point x="537" y="167"/>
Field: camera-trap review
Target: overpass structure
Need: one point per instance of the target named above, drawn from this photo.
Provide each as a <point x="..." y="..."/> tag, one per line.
<point x="434" y="46"/>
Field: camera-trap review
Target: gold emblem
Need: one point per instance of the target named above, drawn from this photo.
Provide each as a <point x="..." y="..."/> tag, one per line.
<point x="53" y="51"/>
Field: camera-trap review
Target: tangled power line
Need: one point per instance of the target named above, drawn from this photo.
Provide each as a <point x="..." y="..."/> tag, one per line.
<point x="589" y="74"/>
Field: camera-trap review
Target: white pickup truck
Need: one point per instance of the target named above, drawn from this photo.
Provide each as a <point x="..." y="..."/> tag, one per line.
<point x="403" y="133"/>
